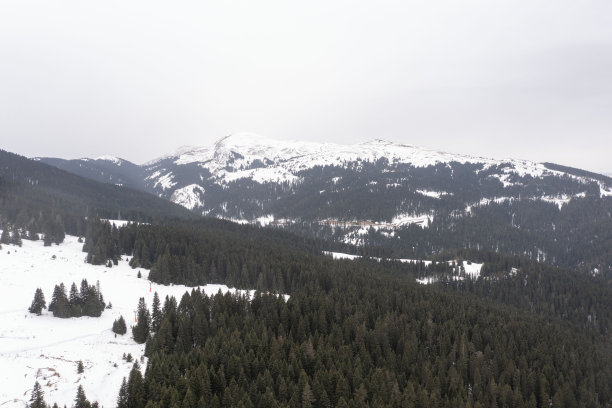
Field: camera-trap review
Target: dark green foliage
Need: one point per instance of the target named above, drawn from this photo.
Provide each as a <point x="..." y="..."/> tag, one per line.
<point x="59" y="305"/>
<point x="37" y="398"/>
<point x="80" y="368"/>
<point x="136" y="394"/>
<point x="38" y="303"/>
<point x="119" y="326"/>
<point x="43" y="199"/>
<point x="383" y="343"/>
<point x="362" y="332"/>
<point x="80" y="400"/>
<point x="122" y="398"/>
<point x="143" y="325"/>
<point x="88" y="302"/>
<point x="156" y="313"/>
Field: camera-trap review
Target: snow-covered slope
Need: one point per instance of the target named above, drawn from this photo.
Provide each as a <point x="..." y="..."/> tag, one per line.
<point x="247" y="155"/>
<point x="47" y="349"/>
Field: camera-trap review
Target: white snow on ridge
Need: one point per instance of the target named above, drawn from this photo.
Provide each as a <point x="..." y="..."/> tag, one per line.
<point x="47" y="349"/>
<point x="188" y="196"/>
<point x="111" y="159"/>
<point x="422" y="220"/>
<point x="264" y="160"/>
<point x="340" y="255"/>
<point x="165" y="181"/>
<point x="471" y="270"/>
<point x="433" y="194"/>
<point x="116" y="223"/>
<point x="604" y="191"/>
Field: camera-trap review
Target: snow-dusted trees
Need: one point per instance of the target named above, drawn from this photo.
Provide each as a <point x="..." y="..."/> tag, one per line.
<point x="38" y="304"/>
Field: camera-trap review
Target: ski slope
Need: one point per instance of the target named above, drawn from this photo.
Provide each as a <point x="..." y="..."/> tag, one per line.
<point x="47" y="349"/>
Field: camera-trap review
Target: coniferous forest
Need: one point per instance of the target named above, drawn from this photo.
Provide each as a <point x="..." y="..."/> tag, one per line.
<point x="325" y="333"/>
<point x="358" y="333"/>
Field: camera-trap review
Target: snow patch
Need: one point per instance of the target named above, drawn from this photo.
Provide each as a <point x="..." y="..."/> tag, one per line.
<point x="188" y="196"/>
<point x="433" y="194"/>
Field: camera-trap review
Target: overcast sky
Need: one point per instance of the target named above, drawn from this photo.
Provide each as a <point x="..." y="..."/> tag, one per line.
<point x="137" y="79"/>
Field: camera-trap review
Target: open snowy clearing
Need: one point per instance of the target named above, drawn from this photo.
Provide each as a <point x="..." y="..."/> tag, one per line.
<point x="46" y="349"/>
<point x="471" y="269"/>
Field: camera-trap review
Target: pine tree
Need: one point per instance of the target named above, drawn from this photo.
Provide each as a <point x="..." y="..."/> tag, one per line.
<point x="81" y="400"/>
<point x="74" y="300"/>
<point x="119" y="326"/>
<point x="142" y="328"/>
<point x="136" y="396"/>
<point x="37" y="398"/>
<point x="60" y="306"/>
<point x="38" y="304"/>
<point x="84" y="291"/>
<point x="122" y="399"/>
<point x="156" y="315"/>
<point x="16" y="239"/>
<point x="80" y="367"/>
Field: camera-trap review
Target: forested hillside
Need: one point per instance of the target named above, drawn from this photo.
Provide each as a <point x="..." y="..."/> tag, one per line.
<point x="42" y="198"/>
<point x="362" y="332"/>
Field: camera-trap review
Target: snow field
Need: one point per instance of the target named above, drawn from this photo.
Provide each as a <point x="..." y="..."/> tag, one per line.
<point x="472" y="270"/>
<point x="47" y="349"/>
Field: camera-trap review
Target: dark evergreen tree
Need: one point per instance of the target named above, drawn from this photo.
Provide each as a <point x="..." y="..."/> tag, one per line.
<point x="156" y="313"/>
<point x="60" y="305"/>
<point x="37" y="398"/>
<point x="80" y="367"/>
<point x="38" y="304"/>
<point x="76" y="305"/>
<point x="119" y="326"/>
<point x="122" y="399"/>
<point x="143" y="325"/>
<point x="16" y="238"/>
<point x="136" y="394"/>
<point x="80" y="400"/>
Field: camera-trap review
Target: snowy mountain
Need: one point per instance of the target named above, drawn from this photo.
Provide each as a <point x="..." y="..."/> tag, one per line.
<point x="207" y="179"/>
<point x="378" y="193"/>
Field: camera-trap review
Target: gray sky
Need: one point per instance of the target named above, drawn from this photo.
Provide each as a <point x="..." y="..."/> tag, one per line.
<point x="137" y="79"/>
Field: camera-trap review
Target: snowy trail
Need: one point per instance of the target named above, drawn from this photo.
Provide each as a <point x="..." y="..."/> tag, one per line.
<point x="43" y="346"/>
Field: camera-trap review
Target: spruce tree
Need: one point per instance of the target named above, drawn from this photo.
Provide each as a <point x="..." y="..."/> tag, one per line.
<point x="156" y="315"/>
<point x="75" y="301"/>
<point x="60" y="306"/>
<point x="122" y="399"/>
<point x="16" y="238"/>
<point x="119" y="326"/>
<point x="136" y="396"/>
<point x="38" y="304"/>
<point x="80" y="400"/>
<point x="37" y="399"/>
<point x="142" y="328"/>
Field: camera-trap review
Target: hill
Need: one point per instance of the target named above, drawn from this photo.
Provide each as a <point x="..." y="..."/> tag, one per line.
<point x="33" y="194"/>
<point x="404" y="199"/>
